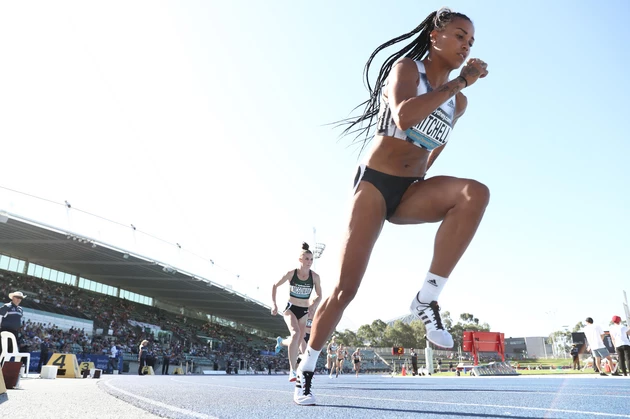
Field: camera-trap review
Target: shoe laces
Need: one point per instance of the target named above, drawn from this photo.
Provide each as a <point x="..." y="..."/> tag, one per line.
<point x="306" y="382"/>
<point x="435" y="310"/>
<point x="436" y="313"/>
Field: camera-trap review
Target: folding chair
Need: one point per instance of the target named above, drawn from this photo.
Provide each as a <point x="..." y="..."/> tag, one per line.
<point x="5" y="355"/>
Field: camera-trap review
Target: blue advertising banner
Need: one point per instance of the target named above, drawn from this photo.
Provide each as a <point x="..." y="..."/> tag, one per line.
<point x="100" y="361"/>
<point x="34" y="362"/>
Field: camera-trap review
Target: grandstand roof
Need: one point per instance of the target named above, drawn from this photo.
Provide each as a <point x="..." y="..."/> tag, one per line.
<point x="57" y="250"/>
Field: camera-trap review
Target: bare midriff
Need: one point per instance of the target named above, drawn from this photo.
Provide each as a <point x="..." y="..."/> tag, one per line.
<point x="397" y="157"/>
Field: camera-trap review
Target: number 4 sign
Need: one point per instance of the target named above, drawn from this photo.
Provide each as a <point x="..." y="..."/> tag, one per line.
<point x="67" y="365"/>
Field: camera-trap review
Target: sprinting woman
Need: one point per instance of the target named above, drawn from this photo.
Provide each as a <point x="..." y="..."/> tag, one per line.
<point x="417" y="105"/>
<point x="302" y="281"/>
<point x="356" y="361"/>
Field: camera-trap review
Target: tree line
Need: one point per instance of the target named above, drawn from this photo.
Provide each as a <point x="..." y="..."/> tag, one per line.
<point x="412" y="335"/>
<point x="409" y="335"/>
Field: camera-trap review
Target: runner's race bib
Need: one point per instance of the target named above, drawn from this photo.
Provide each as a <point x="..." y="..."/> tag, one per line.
<point x="300" y="291"/>
<point x="432" y="132"/>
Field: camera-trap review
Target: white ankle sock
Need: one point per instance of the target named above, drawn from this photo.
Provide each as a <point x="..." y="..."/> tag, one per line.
<point x="431" y="288"/>
<point x="309" y="359"/>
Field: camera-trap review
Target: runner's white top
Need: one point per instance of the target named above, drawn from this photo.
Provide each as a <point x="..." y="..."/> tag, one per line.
<point x="430" y="133"/>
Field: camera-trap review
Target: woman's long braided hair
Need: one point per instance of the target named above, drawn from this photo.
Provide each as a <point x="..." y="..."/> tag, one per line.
<point x="415" y="50"/>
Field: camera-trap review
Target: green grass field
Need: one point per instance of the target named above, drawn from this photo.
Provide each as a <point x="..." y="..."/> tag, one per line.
<point x="522" y="372"/>
<point x="560" y="362"/>
<point x="546" y="365"/>
<point x="589" y="371"/>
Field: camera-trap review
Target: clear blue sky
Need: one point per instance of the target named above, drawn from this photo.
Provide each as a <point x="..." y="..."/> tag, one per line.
<point x="205" y="123"/>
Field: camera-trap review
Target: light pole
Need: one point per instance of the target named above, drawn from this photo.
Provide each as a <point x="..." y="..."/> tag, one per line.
<point x="318" y="249"/>
<point x="317" y="252"/>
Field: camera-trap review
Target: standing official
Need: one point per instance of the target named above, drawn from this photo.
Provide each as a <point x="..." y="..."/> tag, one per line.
<point x="11" y="317"/>
<point x="113" y="358"/>
<point x="619" y="334"/>
<point x="414" y="362"/>
<point x="575" y="354"/>
<point x="166" y="361"/>
<point x="142" y="356"/>
<point x="44" y="353"/>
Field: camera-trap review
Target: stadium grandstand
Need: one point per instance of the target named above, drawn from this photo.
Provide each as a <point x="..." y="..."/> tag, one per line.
<point x="85" y="293"/>
<point x="78" y="282"/>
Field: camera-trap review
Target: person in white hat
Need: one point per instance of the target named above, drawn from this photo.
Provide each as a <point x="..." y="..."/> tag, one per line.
<point x="11" y="316"/>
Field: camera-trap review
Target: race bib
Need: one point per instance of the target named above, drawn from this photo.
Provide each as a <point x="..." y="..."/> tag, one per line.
<point x="432" y="132"/>
<point x="300" y="291"/>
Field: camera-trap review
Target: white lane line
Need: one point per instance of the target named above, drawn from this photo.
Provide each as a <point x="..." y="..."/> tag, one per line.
<point x="479" y="390"/>
<point x="494" y="406"/>
<point x="159" y="404"/>
<point x="509" y="391"/>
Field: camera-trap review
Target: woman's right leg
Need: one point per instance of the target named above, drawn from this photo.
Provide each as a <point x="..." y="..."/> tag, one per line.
<point x="366" y="221"/>
<point x="296" y="333"/>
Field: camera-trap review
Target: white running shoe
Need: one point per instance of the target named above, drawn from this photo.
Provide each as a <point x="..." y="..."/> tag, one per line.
<point x="429" y="313"/>
<point x="303" y="394"/>
<point x="292" y="376"/>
